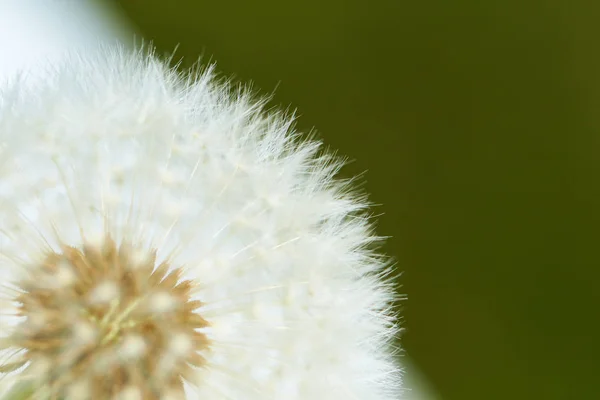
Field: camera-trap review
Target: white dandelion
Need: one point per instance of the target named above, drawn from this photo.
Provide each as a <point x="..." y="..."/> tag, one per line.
<point x="165" y="237"/>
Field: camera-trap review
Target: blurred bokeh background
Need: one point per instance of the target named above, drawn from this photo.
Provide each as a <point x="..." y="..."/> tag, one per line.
<point x="477" y="124"/>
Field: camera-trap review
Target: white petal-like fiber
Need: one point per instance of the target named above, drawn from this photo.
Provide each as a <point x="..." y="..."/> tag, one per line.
<point x="283" y="255"/>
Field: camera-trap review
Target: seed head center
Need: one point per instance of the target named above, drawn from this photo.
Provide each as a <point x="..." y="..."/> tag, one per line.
<point x="106" y="320"/>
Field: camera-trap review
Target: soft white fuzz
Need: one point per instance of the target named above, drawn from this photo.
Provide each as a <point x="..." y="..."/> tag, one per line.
<point x="281" y="255"/>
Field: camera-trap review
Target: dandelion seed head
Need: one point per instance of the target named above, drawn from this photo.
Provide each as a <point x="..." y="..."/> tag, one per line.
<point x="163" y="236"/>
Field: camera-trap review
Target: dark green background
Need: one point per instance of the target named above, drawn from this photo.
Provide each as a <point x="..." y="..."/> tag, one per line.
<point x="477" y="122"/>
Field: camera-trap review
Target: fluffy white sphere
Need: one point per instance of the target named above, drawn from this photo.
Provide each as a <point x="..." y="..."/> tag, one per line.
<point x="193" y="178"/>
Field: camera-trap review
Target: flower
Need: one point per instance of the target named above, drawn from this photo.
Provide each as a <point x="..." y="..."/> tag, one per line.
<point x="163" y="236"/>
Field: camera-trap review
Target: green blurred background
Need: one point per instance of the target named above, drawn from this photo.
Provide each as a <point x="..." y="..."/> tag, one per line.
<point x="477" y="123"/>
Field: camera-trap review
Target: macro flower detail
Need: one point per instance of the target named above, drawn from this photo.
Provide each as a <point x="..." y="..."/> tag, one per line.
<point x="164" y="236"/>
<point x="105" y="312"/>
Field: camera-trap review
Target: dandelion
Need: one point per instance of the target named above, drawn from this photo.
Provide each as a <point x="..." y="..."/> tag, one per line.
<point x="163" y="236"/>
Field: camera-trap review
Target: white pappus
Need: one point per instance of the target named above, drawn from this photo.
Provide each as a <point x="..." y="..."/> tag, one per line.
<point x="163" y="236"/>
